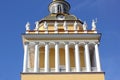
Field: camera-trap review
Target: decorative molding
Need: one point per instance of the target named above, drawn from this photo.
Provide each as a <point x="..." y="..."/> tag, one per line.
<point x="62" y="36"/>
<point x="56" y="73"/>
<point x="26" y="43"/>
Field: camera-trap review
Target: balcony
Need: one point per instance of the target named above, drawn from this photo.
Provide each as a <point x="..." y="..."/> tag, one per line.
<point x="60" y="31"/>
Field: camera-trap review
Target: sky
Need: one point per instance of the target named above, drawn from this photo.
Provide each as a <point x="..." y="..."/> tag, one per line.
<point x="14" y="14"/>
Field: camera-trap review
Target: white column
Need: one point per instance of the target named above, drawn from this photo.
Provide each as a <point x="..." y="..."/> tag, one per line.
<point x="36" y="58"/>
<point x="46" y="57"/>
<point x="77" y="58"/>
<point x="56" y="57"/>
<point x="25" y="62"/>
<point x="97" y="58"/>
<point x="29" y="60"/>
<point x="87" y="58"/>
<point x="67" y="57"/>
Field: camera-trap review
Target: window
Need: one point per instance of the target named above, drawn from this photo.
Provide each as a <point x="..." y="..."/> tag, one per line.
<point x="59" y="9"/>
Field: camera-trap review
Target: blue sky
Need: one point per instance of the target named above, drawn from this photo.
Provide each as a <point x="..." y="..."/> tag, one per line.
<point x="15" y="13"/>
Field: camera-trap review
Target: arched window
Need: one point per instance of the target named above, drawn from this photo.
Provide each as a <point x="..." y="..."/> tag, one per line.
<point x="59" y="9"/>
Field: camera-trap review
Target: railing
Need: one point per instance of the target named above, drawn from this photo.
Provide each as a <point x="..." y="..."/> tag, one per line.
<point x="72" y="69"/>
<point x="59" y="31"/>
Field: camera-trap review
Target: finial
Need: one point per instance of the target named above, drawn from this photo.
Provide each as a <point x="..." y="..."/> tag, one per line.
<point x="27" y="26"/>
<point x="94" y="24"/>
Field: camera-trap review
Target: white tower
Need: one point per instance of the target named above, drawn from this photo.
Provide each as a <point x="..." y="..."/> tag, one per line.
<point x="61" y="47"/>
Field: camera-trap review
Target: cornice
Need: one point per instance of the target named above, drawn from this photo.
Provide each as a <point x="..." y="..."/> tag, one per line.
<point x="62" y="36"/>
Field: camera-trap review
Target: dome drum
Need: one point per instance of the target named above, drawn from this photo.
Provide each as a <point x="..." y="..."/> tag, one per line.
<point x="59" y="7"/>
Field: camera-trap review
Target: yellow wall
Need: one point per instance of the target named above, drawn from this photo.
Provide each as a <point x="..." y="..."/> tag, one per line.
<point x="81" y="76"/>
<point x="52" y="58"/>
<point x="42" y="57"/>
<point x="72" y="57"/>
<point x="62" y="57"/>
<point x="51" y="27"/>
<point x="82" y="60"/>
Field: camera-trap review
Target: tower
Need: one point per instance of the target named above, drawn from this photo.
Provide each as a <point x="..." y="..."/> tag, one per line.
<point x="61" y="48"/>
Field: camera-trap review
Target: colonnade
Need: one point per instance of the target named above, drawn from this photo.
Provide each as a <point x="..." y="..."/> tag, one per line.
<point x="57" y="57"/>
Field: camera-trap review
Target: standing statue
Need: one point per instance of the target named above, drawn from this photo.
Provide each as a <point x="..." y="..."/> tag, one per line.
<point x="75" y="25"/>
<point x="56" y="26"/>
<point x="45" y="25"/>
<point x="94" y="24"/>
<point x="84" y="25"/>
<point x="27" y="26"/>
<point x="65" y="26"/>
<point x="37" y="25"/>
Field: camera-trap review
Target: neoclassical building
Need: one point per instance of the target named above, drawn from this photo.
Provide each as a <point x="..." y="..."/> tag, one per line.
<point x="61" y="48"/>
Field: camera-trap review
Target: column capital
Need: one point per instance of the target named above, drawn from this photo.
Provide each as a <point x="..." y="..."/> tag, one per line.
<point x="86" y="43"/>
<point x="76" y="42"/>
<point x="36" y="43"/>
<point x="46" y="43"/>
<point x="97" y="43"/>
<point x="56" y="42"/>
<point x="66" y="42"/>
<point x="26" y="43"/>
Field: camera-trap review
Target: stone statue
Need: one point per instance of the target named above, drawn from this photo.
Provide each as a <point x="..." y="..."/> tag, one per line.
<point x="65" y="26"/>
<point x="27" y="26"/>
<point x="56" y="26"/>
<point x="45" y="25"/>
<point x="37" y="25"/>
<point x="94" y="24"/>
<point x="84" y="25"/>
<point x="75" y="25"/>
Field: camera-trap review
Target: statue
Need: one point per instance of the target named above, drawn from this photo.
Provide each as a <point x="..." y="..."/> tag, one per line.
<point x="65" y="26"/>
<point x="56" y="26"/>
<point x="45" y="25"/>
<point x="94" y="24"/>
<point x="84" y="25"/>
<point x="75" y="26"/>
<point x="37" y="25"/>
<point x="27" y="26"/>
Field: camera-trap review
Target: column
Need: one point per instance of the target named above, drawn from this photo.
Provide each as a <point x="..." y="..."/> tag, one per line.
<point x="28" y="60"/>
<point x="56" y="57"/>
<point x="97" y="58"/>
<point x="87" y="58"/>
<point x="67" y="57"/>
<point x="46" y="57"/>
<point x="36" y="58"/>
<point x="77" y="58"/>
<point x="25" y="62"/>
